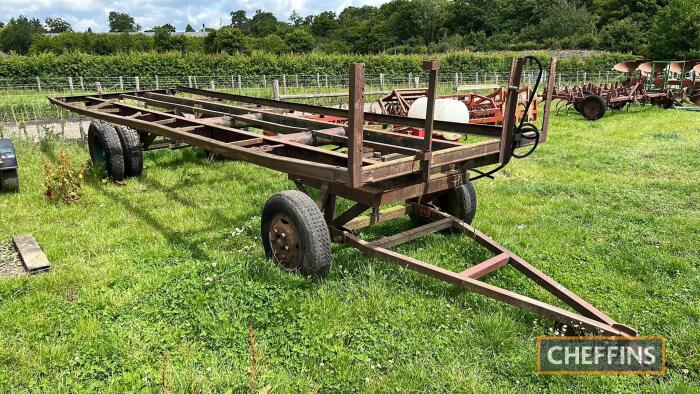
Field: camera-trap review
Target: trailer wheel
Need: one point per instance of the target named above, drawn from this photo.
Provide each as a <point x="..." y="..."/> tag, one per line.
<point x="617" y="105"/>
<point x="662" y="102"/>
<point x="131" y="146"/>
<point x="295" y="235"/>
<point x="106" y="149"/>
<point x="593" y="107"/>
<point x="459" y="202"/>
<point x="9" y="181"/>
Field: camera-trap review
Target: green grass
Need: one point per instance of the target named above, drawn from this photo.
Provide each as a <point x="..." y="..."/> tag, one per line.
<point x="165" y="275"/>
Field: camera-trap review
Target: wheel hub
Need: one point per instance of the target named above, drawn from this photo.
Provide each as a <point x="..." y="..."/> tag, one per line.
<point x="285" y="243"/>
<point x="591" y="108"/>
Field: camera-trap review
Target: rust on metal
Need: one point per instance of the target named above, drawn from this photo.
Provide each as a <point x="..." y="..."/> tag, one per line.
<point x="347" y="158"/>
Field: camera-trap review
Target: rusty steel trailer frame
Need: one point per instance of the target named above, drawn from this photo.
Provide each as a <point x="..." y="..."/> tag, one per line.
<point x="379" y="167"/>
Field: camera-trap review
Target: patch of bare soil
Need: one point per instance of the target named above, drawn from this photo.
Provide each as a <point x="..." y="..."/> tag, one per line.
<point x="10" y="265"/>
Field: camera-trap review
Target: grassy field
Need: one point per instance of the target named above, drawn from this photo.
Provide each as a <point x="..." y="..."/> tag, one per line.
<point x="161" y="285"/>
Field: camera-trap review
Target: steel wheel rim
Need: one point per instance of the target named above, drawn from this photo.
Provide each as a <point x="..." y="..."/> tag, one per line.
<point x="285" y="243"/>
<point x="591" y="108"/>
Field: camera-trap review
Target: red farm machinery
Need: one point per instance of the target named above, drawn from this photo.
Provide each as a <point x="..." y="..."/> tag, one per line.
<point x="659" y="83"/>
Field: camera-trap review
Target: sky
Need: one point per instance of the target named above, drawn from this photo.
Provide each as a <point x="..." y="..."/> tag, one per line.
<point x="84" y="14"/>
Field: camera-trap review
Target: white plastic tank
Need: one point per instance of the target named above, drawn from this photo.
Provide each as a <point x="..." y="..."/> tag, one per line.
<point x="447" y="110"/>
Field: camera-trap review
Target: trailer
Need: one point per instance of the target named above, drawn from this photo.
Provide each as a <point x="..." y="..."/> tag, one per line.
<point x="430" y="179"/>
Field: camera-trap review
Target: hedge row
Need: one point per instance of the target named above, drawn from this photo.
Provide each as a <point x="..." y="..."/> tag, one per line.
<point x="143" y="64"/>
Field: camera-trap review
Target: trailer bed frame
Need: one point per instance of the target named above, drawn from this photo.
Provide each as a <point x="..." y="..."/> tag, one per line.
<point x="379" y="167"/>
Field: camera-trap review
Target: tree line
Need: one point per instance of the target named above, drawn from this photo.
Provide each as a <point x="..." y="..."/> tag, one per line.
<point x="656" y="28"/>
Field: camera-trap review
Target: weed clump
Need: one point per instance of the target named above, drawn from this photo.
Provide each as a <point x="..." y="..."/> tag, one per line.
<point x="63" y="180"/>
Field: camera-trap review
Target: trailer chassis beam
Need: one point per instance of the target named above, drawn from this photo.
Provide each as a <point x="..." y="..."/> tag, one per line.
<point x="586" y="315"/>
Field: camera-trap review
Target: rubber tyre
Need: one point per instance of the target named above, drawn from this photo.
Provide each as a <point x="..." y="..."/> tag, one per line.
<point x="459" y="202"/>
<point x="106" y="149"/>
<point x="9" y="181"/>
<point x="663" y="102"/>
<point x="131" y="146"/>
<point x="315" y="240"/>
<point x="618" y="105"/>
<point x="577" y="106"/>
<point x="593" y="107"/>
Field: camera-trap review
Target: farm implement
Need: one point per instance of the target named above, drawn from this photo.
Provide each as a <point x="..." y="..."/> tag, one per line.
<point x="660" y="83"/>
<point x="366" y="165"/>
<point x="478" y="108"/>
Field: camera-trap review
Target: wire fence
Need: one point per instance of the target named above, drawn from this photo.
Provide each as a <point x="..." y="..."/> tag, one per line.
<point x="23" y="101"/>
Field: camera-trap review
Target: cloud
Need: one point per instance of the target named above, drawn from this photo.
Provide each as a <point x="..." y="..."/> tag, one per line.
<point x="84" y="14"/>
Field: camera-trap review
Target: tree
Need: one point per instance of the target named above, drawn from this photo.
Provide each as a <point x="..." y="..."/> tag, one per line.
<point x="273" y="44"/>
<point x="57" y="25"/>
<point x="324" y="24"/>
<point x="676" y="31"/>
<point x="18" y="34"/>
<point x="566" y="23"/>
<point x="296" y="19"/>
<point x="122" y="23"/>
<point x="164" y="41"/>
<point x="227" y="39"/>
<point x="189" y="28"/>
<point x="263" y="23"/>
<point x="640" y="11"/>
<point x="2" y="24"/>
<point x="623" y="35"/>
<point x="239" y="19"/>
<point x="299" y="41"/>
<point x="167" y="27"/>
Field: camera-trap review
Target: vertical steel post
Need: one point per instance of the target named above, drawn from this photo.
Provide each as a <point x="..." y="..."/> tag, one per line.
<point x="138" y="84"/>
<point x="121" y="83"/>
<point x="432" y="67"/>
<point x="157" y="83"/>
<point x="284" y="84"/>
<point x="356" y="122"/>
<point x="38" y="83"/>
<point x="509" y="111"/>
<point x="548" y="100"/>
<point x="70" y="84"/>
